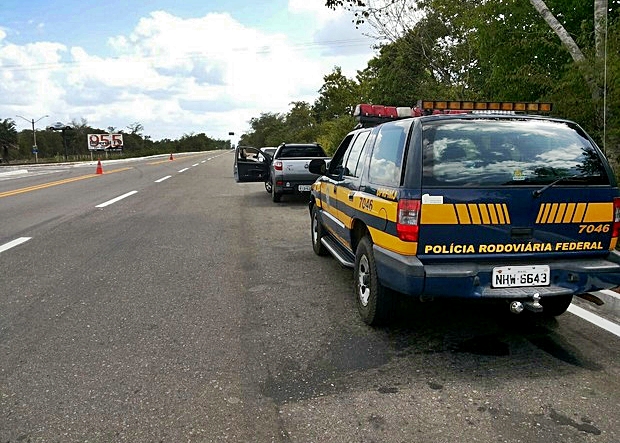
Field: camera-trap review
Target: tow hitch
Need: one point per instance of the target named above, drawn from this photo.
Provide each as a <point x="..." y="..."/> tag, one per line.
<point x="516" y="307"/>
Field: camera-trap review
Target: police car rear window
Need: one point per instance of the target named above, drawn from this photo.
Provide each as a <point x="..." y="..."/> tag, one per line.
<point x="497" y="152"/>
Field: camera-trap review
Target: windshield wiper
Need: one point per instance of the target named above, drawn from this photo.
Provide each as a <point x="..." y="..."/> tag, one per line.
<point x="537" y="192"/>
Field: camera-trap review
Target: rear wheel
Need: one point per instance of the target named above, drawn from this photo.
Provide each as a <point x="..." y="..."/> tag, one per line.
<point x="275" y="196"/>
<point x="268" y="186"/>
<point x="372" y="298"/>
<point x="554" y="306"/>
<point x="317" y="233"/>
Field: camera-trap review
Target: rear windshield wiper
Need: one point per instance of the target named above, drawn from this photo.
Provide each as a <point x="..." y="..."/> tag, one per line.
<point x="537" y="192"/>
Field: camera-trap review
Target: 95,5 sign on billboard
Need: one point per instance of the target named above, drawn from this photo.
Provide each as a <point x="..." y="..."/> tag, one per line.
<point x="102" y="142"/>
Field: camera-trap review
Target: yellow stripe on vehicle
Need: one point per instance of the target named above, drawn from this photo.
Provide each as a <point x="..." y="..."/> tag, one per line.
<point x="438" y="215"/>
<point x="575" y="213"/>
<point x="560" y="214"/>
<point x="506" y="216"/>
<point x="465" y="214"/>
<point x="579" y="211"/>
<point x="475" y="214"/>
<point x="493" y="214"/>
<point x="599" y="212"/>
<point x="392" y="243"/>
<point x="553" y="212"/>
<point x="570" y="211"/>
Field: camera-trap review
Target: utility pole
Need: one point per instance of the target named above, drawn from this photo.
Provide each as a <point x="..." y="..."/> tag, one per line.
<point x="35" y="150"/>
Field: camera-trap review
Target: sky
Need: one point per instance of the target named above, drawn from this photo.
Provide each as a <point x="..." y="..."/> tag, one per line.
<point x="176" y="67"/>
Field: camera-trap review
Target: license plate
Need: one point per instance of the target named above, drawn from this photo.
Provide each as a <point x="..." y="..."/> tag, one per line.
<point x="304" y="188"/>
<point x="516" y="276"/>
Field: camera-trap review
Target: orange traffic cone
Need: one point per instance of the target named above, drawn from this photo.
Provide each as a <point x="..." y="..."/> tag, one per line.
<point x="99" y="168"/>
<point x="171" y="157"/>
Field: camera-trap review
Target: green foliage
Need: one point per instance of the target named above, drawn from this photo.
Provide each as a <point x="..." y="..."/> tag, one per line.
<point x="267" y="130"/>
<point x="337" y="97"/>
<point x="8" y="138"/>
<point x="409" y="69"/>
<point x="333" y="131"/>
<point x="484" y="50"/>
<point x="270" y="129"/>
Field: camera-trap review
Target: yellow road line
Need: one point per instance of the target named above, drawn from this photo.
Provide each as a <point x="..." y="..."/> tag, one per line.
<point x="159" y="162"/>
<point x="56" y="183"/>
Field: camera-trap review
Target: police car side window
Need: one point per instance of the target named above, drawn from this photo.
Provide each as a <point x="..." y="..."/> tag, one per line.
<point x="352" y="166"/>
<point x="386" y="160"/>
<point x="335" y="166"/>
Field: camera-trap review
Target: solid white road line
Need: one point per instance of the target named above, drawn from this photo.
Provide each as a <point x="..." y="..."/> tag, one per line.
<point x="11" y="244"/>
<point x="595" y="319"/>
<point x="163" y="178"/>
<point x="610" y="293"/>
<point x="114" y="200"/>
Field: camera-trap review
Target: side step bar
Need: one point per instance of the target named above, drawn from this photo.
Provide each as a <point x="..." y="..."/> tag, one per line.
<point x="341" y="254"/>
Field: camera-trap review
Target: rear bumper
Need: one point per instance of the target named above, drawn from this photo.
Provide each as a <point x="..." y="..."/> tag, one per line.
<point x="291" y="186"/>
<point x="410" y="276"/>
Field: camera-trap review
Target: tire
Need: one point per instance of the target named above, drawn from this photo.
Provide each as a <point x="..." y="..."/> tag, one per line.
<point x="317" y="232"/>
<point x="372" y="298"/>
<point x="275" y="196"/>
<point x="554" y="306"/>
<point x="268" y="186"/>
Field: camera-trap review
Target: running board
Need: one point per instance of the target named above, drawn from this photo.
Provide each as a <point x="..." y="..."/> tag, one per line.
<point x="345" y="257"/>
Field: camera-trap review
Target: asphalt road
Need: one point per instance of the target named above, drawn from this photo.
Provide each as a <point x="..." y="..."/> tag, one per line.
<point x="194" y="310"/>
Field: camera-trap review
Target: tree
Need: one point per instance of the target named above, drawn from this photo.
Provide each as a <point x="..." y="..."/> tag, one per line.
<point x="267" y="130"/>
<point x="135" y="128"/>
<point x="390" y="19"/>
<point x="332" y="132"/>
<point x="77" y="137"/>
<point x="337" y="97"/>
<point x="8" y="137"/>
<point x="300" y="124"/>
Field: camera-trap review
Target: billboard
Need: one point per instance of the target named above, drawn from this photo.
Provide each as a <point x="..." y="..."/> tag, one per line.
<point x="105" y="142"/>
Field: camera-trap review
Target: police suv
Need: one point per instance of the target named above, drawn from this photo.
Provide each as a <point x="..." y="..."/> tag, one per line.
<point x="458" y="201"/>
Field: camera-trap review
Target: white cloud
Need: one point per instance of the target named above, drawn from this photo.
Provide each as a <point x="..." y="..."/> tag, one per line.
<point x="175" y="76"/>
<point x="315" y="8"/>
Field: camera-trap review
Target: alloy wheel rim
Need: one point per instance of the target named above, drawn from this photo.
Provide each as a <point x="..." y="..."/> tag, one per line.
<point x="363" y="277"/>
<point x="315" y="229"/>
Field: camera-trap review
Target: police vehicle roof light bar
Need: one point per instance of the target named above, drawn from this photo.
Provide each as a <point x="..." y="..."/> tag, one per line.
<point x="375" y="114"/>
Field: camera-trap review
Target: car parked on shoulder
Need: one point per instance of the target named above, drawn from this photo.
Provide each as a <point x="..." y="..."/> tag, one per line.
<point x="480" y="206"/>
<point x="287" y="172"/>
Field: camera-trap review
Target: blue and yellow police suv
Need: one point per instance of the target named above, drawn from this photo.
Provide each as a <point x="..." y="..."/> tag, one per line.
<point x="460" y="201"/>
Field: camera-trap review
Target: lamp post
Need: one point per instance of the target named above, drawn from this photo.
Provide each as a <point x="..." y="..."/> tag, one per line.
<point x="34" y="136"/>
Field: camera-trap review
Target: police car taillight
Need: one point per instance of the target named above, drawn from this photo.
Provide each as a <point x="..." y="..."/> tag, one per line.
<point x="277" y="165"/>
<point x="408" y="215"/>
<point x="616" y="229"/>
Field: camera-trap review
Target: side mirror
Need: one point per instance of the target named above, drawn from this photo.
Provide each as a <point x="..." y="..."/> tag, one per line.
<point x="317" y="166"/>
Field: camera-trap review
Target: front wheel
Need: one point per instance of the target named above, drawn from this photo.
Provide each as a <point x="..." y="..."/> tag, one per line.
<point x="372" y="298"/>
<point x="268" y="186"/>
<point x="554" y="306"/>
<point x="317" y="233"/>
